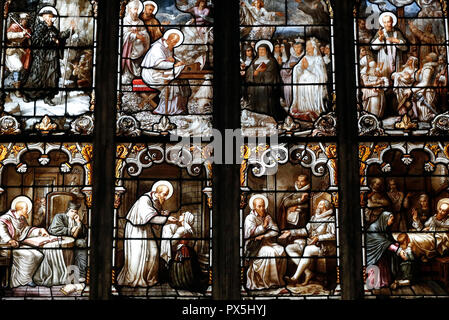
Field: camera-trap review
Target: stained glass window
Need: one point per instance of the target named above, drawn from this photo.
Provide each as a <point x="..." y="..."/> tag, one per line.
<point x="404" y="198"/>
<point x="401" y="64"/>
<point x="46" y="197"/>
<point x="163" y="221"/>
<point x="289" y="228"/>
<point x="166" y="66"/>
<point x="48" y="67"/>
<point x="152" y="219"/>
<point x="287" y="68"/>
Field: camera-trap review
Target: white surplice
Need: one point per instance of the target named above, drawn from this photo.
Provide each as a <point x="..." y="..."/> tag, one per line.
<point x="141" y="252"/>
<point x="387" y="52"/>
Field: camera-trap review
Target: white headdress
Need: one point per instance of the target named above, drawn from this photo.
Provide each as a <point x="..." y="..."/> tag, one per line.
<point x="389" y="14"/>
<point x="258" y="196"/>
<point x="178" y="32"/>
<point x="315" y="44"/>
<point x="188" y="221"/>
<point x="268" y="43"/>
<point x="22" y="199"/>
<point x="153" y="4"/>
<point x="48" y="9"/>
<point x="163" y="183"/>
<point x="299" y="40"/>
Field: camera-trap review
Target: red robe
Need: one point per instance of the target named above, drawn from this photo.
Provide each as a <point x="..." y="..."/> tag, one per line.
<point x="26" y="57"/>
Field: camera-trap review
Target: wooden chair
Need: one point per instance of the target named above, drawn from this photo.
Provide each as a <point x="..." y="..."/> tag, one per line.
<point x="57" y="203"/>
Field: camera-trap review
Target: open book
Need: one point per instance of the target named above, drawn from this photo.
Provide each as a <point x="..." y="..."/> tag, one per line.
<point x="40" y="241"/>
<point x="261" y="66"/>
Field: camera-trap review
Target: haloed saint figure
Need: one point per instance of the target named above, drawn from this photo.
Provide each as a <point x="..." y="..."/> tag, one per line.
<point x="263" y="78"/>
<point x="45" y="71"/>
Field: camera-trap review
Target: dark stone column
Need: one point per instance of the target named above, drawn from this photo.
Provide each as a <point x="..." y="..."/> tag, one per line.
<point x="348" y="163"/>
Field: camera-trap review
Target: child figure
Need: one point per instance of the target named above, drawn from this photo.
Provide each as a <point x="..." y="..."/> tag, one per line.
<point x="407" y="265"/>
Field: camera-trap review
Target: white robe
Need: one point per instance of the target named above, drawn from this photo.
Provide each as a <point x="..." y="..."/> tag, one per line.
<point x="426" y="78"/>
<point x="158" y="72"/>
<point x="373" y="99"/>
<point x="135" y="46"/>
<point x="141" y="264"/>
<point x="175" y="232"/>
<point x="321" y="225"/>
<point x="44" y="267"/>
<point x="25" y="260"/>
<point x="387" y="55"/>
<point x="250" y="15"/>
<point x="403" y="79"/>
<point x="309" y="98"/>
<point x="267" y="271"/>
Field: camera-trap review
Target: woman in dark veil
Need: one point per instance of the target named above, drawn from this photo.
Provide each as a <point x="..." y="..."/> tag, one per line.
<point x="381" y="248"/>
<point x="263" y="79"/>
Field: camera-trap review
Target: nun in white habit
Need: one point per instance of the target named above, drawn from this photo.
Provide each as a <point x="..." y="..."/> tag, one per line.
<point x="309" y="84"/>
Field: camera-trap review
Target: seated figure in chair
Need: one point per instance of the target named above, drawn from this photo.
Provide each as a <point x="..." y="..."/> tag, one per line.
<point x="14" y="229"/>
<point x="319" y="234"/>
<point x="69" y="224"/>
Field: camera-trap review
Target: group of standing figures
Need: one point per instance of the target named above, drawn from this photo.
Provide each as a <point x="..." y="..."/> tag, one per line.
<point x="283" y="74"/>
<point x="278" y="85"/>
<point x="399" y="75"/>
<point x="34" y="54"/>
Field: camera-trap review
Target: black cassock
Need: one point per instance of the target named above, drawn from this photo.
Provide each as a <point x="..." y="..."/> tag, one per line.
<point x="45" y="68"/>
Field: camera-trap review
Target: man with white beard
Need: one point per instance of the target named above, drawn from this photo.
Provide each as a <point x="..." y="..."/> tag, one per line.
<point x="136" y="41"/>
<point x="319" y="234"/>
<point x="141" y="251"/>
<point x="14" y="229"/>
<point x="309" y="89"/>
<point x="159" y="71"/>
<point x="388" y="42"/>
